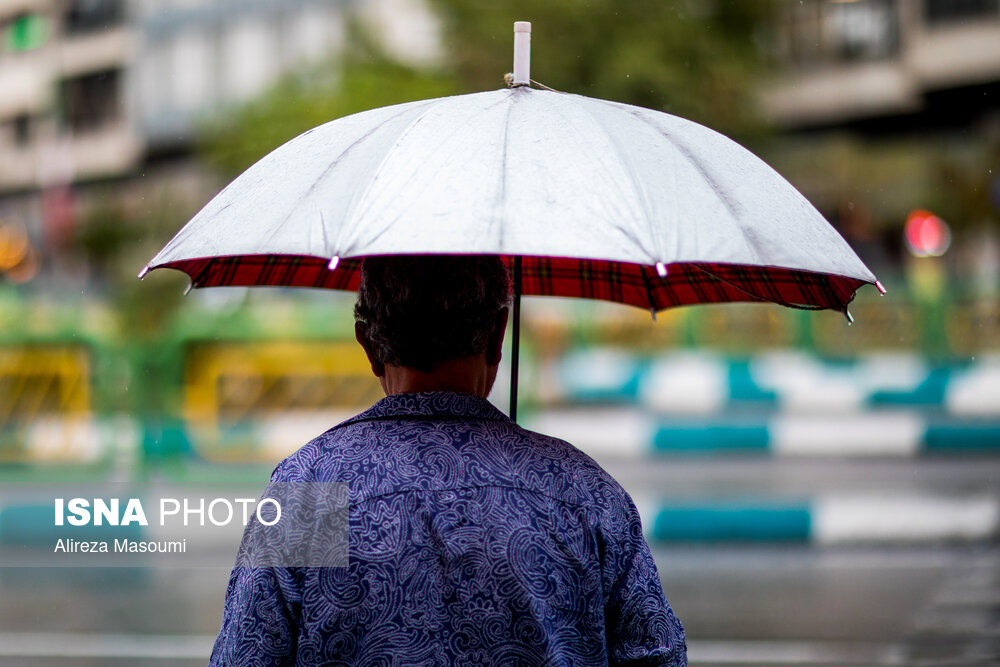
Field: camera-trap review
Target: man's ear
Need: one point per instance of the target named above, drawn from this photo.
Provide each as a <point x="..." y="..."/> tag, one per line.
<point x="494" y="345"/>
<point x="378" y="368"/>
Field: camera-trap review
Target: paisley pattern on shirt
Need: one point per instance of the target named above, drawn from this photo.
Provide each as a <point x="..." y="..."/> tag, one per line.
<point x="472" y="542"/>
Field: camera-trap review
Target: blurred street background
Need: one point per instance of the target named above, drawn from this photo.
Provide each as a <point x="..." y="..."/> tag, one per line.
<point x="816" y="493"/>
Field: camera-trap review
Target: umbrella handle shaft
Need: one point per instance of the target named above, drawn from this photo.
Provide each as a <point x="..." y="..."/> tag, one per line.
<point x="515" y="345"/>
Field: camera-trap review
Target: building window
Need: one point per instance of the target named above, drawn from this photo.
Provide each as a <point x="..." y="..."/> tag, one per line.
<point x="83" y="16"/>
<point x="945" y="11"/>
<point x="865" y="30"/>
<point x="92" y="101"/>
<point x="819" y="32"/>
<point x="21" y="130"/>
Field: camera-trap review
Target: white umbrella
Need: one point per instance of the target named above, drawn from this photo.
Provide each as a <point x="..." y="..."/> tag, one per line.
<point x="589" y="197"/>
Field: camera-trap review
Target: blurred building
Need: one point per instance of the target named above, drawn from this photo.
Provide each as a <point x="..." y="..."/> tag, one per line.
<point x="99" y="92"/>
<point x="892" y="108"/>
<point x="62" y="70"/>
<point x="887" y="64"/>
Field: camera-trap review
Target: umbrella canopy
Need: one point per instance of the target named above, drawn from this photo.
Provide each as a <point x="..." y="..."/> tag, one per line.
<point x="586" y="197"/>
<point x="600" y="199"/>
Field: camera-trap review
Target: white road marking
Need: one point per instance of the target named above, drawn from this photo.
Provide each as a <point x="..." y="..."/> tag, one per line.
<point x="104" y="645"/>
<point x="597" y="370"/>
<point x="976" y="390"/>
<point x="792" y="653"/>
<point x="695" y="383"/>
<point x="860" y="434"/>
<point x="109" y="645"/>
<point x="65" y="440"/>
<point x="902" y="518"/>
<point x="619" y="432"/>
<point x="804" y="383"/>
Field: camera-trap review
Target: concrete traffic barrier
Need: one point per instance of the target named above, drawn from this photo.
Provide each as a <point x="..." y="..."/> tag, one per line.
<point x="630" y="432"/>
<point x="826" y="520"/>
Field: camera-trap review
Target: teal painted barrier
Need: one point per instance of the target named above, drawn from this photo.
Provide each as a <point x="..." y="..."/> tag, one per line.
<point x="34" y="525"/>
<point x="165" y="439"/>
<point x="634" y="434"/>
<point x="964" y="437"/>
<point x="834" y="519"/>
<point x="931" y="392"/>
<point x="944" y="436"/>
<point x="777" y="381"/>
<point x="743" y="388"/>
<point x="710" y="438"/>
<point x="733" y="522"/>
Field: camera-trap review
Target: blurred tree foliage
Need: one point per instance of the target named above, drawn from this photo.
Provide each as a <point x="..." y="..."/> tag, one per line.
<point x="364" y="79"/>
<point x="114" y="236"/>
<point x="892" y="176"/>
<point x="700" y="59"/>
<point x="696" y="58"/>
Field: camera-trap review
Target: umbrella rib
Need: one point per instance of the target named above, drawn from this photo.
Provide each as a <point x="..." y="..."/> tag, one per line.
<point x="638" y="195"/>
<point x="333" y="164"/>
<point x="502" y="185"/>
<point x="195" y="279"/>
<point x="651" y="223"/>
<point x="349" y="214"/>
<point x="708" y="178"/>
<point x="649" y="290"/>
<point x="331" y="252"/>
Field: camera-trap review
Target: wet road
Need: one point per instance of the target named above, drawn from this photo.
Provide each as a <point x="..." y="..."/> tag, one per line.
<point x="808" y="606"/>
<point x="753" y="606"/>
<point x="917" y="605"/>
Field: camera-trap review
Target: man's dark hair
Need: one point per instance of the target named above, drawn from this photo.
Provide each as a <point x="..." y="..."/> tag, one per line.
<point x="420" y="310"/>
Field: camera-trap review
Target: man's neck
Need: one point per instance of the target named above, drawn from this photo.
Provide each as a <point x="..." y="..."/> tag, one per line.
<point x="467" y="375"/>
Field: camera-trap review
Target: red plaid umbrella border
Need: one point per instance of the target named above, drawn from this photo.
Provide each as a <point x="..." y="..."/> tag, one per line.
<point x="639" y="285"/>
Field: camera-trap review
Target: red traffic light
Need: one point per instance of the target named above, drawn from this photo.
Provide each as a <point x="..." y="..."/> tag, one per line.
<point x="926" y="234"/>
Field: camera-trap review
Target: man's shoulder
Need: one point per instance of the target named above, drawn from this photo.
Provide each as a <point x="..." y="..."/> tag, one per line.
<point x="567" y="466"/>
<point x="500" y="451"/>
<point x="548" y="446"/>
<point x="307" y="463"/>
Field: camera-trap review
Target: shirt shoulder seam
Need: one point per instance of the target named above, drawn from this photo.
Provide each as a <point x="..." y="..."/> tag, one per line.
<point x="477" y="486"/>
<point x="415" y="417"/>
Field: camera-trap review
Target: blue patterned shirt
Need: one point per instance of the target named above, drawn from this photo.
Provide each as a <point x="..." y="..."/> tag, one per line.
<point x="472" y="542"/>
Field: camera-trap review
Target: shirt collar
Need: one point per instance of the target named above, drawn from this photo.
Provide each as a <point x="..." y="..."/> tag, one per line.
<point x="444" y="404"/>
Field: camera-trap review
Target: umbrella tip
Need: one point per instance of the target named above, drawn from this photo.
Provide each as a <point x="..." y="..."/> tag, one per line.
<point x="334" y="261"/>
<point x="145" y="270"/>
<point x="522" y="53"/>
<point x="850" y="318"/>
<point x="190" y="287"/>
<point x="878" y="286"/>
<point x="661" y="269"/>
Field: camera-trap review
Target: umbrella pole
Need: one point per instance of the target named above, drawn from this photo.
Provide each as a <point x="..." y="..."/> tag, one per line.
<point x="516" y="340"/>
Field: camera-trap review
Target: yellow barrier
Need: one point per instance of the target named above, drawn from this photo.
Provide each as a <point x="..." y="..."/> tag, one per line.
<point x="45" y="404"/>
<point x="260" y="401"/>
